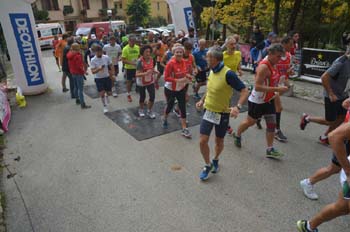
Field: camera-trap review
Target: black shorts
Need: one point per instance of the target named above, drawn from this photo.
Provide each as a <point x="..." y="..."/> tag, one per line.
<point x="103" y="84"/>
<point x="220" y="130"/>
<point x="333" y="109"/>
<point x="130" y="74"/>
<point x="334" y="158"/>
<point x="201" y="76"/>
<point x="256" y="111"/>
<point x="116" y="69"/>
<point x="160" y="68"/>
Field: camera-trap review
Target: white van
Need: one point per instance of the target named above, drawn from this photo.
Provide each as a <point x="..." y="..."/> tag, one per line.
<point x="47" y="31"/>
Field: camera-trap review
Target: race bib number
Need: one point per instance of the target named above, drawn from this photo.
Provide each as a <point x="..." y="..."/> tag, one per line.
<point x="212" y="117"/>
<point x="148" y="78"/>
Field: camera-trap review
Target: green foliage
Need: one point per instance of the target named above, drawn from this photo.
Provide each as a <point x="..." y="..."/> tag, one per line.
<point x="139" y="12"/>
<point x="40" y="14"/>
<point x="157" y="21"/>
<point x="67" y="10"/>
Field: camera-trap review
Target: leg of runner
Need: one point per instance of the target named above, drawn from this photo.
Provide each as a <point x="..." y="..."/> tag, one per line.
<point x="142" y="92"/>
<point x="205" y="150"/>
<point x="278" y="105"/>
<point x="151" y="92"/>
<point x="243" y="126"/>
<point x="114" y="81"/>
<point x="170" y="99"/>
<point x="129" y="80"/>
<point x="103" y="99"/>
<point x="181" y="102"/>
<point x="340" y="208"/>
<point x="63" y="82"/>
<point x="271" y="152"/>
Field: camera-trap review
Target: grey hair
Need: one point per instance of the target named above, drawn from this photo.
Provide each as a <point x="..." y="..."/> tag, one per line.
<point x="202" y="41"/>
<point x="132" y="37"/>
<point x="277" y="47"/>
<point x="216" y="52"/>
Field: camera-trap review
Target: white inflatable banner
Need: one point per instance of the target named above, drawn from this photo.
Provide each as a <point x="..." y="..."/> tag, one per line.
<point x="17" y="21"/>
<point x="181" y="13"/>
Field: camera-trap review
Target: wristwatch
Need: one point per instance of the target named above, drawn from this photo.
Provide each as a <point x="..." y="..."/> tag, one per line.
<point x="239" y="106"/>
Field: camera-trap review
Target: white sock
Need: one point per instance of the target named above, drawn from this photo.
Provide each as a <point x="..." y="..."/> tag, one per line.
<point x="307" y="118"/>
<point x="308" y="226"/>
<point x="103" y="101"/>
<point x="308" y="181"/>
<point x="128" y="93"/>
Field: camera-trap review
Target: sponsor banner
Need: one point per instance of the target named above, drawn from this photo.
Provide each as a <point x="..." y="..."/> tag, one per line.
<point x="27" y="49"/>
<point x="316" y="61"/>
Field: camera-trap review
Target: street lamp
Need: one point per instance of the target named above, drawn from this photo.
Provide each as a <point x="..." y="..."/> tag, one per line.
<point x="213" y="18"/>
<point x="109" y="14"/>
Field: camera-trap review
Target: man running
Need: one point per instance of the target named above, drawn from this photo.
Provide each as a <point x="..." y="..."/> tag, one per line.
<point x="261" y="100"/>
<point x="130" y="54"/>
<point x="342" y="206"/>
<point x="113" y="51"/>
<point x="216" y="101"/>
<point x="202" y="66"/>
<point x="334" y="81"/>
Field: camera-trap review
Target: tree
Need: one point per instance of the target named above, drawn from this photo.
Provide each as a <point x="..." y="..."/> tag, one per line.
<point x="294" y="14"/>
<point x="139" y="12"/>
<point x="276" y="16"/>
<point x="157" y="21"/>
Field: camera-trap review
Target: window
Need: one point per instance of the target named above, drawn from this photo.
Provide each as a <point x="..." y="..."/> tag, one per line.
<point x="104" y="4"/>
<point x="86" y="4"/>
<point x="158" y="6"/>
<point x="50" y="4"/>
<point x="121" y="5"/>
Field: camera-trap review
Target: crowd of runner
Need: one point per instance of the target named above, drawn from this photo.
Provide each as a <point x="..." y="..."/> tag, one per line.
<point x="182" y="61"/>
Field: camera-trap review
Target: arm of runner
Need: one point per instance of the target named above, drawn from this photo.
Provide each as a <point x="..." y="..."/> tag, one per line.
<point x="233" y="80"/>
<point x="200" y="103"/>
<point x="327" y="85"/>
<point x="261" y="73"/>
<point x="110" y="68"/>
<point x="162" y="62"/>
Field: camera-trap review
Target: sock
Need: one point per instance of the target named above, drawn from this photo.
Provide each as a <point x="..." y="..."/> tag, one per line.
<point x="324" y="136"/>
<point x="308" y="226"/>
<point x="278" y="120"/>
<point x="307" y="118"/>
<point x="128" y="93"/>
<point x="269" y="148"/>
<point x="103" y="101"/>
<point x="308" y="181"/>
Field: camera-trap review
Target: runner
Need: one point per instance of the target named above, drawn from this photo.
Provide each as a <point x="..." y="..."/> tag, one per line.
<point x="163" y="47"/>
<point x="59" y="53"/>
<point x="334" y="81"/>
<point x="145" y="80"/>
<point x="285" y="69"/>
<point x="342" y="206"/>
<point x="323" y="173"/>
<point x="55" y="42"/>
<point x="65" y="67"/>
<point x="102" y="67"/>
<point x="113" y="51"/>
<point x="130" y="54"/>
<point x="176" y="78"/>
<point x="261" y="100"/>
<point x="216" y="101"/>
<point x="202" y="67"/>
<point x="77" y="70"/>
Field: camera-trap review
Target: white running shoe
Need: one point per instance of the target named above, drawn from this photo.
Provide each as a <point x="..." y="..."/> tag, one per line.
<point x="308" y="190"/>
<point x="114" y="94"/>
<point x="141" y="113"/>
<point x="151" y="114"/>
<point x="105" y="109"/>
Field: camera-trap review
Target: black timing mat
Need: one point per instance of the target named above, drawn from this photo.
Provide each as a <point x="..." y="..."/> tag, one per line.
<point x="146" y="128"/>
<point x="91" y="90"/>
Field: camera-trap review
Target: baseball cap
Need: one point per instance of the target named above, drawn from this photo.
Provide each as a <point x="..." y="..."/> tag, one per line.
<point x="272" y="34"/>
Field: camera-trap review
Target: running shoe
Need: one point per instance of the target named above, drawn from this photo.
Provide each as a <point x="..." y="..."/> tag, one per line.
<point x="177" y="113"/>
<point x="215" y="164"/>
<point x="280" y="136"/>
<point x="105" y="109"/>
<point x="65" y="90"/>
<point x="303" y="121"/>
<point x="302" y="226"/>
<point x="84" y="106"/>
<point x="141" y="113"/>
<point x="237" y="140"/>
<point x="204" y="175"/>
<point x="274" y="154"/>
<point x="258" y="124"/>
<point x="129" y="98"/>
<point x="164" y="123"/>
<point x="151" y="114"/>
<point x="196" y="96"/>
<point x="229" y="130"/>
<point x="115" y="94"/>
<point x="323" y="140"/>
<point x="77" y="101"/>
<point x="186" y="133"/>
<point x="308" y="190"/>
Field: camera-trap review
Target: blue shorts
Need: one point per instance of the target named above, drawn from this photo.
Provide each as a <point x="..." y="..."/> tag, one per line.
<point x="220" y="130"/>
<point x="103" y="84"/>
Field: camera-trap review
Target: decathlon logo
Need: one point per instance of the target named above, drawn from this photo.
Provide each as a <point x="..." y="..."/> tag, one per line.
<point x="27" y="49"/>
<point x="189" y="17"/>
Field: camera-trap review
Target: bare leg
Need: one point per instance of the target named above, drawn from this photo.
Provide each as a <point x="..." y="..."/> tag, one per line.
<point x="331" y="211"/>
<point x="219" y="147"/>
<point x="324" y="173"/>
<point x="245" y="124"/>
<point x="204" y="147"/>
<point x="64" y="77"/>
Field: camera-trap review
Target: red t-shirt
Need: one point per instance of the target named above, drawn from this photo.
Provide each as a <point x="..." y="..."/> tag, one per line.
<point x="75" y="63"/>
<point x="175" y="70"/>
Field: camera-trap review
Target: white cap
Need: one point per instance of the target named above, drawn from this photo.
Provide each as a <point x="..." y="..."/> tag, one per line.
<point x="180" y="33"/>
<point x="93" y="36"/>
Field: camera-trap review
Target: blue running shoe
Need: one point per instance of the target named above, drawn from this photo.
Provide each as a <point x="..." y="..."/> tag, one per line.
<point x="204" y="175"/>
<point x="215" y="166"/>
<point x="165" y="123"/>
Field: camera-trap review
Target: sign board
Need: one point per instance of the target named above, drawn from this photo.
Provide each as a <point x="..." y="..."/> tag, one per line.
<point x="316" y="61"/>
<point x="18" y="24"/>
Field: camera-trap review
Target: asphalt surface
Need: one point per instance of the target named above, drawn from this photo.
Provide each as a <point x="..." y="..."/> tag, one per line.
<point x="80" y="172"/>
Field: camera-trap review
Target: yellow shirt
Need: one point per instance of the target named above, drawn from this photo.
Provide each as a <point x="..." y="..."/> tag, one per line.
<point x="219" y="93"/>
<point x="232" y="61"/>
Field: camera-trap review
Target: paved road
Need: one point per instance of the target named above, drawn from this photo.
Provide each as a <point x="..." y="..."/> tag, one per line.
<point x="81" y="172"/>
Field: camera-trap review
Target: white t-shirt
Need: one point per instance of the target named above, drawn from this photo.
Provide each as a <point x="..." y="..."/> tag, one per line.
<point x="113" y="52"/>
<point x="98" y="62"/>
<point x="343" y="177"/>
